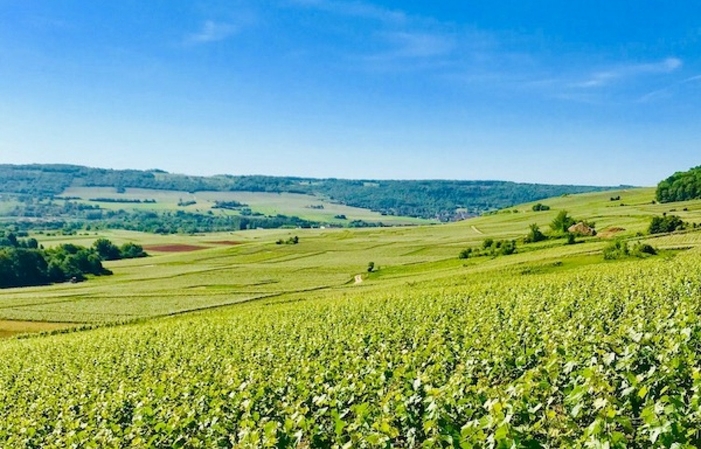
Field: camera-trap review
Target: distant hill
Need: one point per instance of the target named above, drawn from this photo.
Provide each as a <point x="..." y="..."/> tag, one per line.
<point x="433" y="199"/>
<point x="681" y="186"/>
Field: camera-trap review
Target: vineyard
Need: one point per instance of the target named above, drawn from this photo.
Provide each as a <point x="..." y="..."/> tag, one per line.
<point x="604" y="357"/>
<point x="231" y="340"/>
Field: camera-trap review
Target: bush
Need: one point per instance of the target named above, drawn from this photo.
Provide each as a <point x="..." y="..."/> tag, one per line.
<point x="132" y="251"/>
<point x="107" y="250"/>
<point x="507" y="247"/>
<point x="666" y="223"/>
<point x="465" y="254"/>
<point x="617" y="249"/>
<point x="643" y="250"/>
<point x="540" y="207"/>
<point x="534" y="234"/>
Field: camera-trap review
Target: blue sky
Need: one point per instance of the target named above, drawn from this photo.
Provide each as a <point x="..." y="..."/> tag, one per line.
<point x="578" y="92"/>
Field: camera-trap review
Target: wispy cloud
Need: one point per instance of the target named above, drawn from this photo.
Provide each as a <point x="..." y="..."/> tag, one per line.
<point x="419" y="44"/>
<point x="212" y="31"/>
<point x="354" y="9"/>
<point x="668" y="91"/>
<point x="626" y="71"/>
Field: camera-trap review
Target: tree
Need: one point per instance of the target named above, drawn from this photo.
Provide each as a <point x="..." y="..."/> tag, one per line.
<point x="562" y="222"/>
<point x="131" y="251"/>
<point x="534" y="234"/>
<point x="616" y="250"/>
<point x="107" y="250"/>
<point x="665" y="223"/>
<point x="371" y="267"/>
<point x="571" y="239"/>
<point x="465" y="253"/>
<point x="507" y="247"/>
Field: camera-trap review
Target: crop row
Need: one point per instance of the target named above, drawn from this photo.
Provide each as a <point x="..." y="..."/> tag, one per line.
<point x="593" y="359"/>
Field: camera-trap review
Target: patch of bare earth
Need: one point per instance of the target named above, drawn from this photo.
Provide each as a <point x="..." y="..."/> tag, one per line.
<point x="173" y="248"/>
<point x="9" y="328"/>
<point x="610" y="232"/>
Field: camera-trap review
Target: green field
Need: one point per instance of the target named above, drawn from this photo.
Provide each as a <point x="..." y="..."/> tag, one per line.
<point x="245" y="343"/>
<point x="230" y="268"/>
<point x="304" y="206"/>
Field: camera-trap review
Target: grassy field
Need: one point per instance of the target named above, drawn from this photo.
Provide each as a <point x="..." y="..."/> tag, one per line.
<point x="551" y="347"/>
<point x="231" y="340"/>
<point x="307" y="207"/>
<point x="187" y="273"/>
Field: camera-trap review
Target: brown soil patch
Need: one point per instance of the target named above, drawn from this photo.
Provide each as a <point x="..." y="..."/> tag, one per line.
<point x="225" y="242"/>
<point x="611" y="231"/>
<point x="173" y="248"/>
<point x="10" y="328"/>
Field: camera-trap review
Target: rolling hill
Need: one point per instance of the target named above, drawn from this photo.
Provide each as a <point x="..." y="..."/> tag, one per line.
<point x="430" y="199"/>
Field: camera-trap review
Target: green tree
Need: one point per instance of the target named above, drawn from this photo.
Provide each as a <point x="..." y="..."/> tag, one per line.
<point x="132" y="251"/>
<point x="534" y="234"/>
<point x="562" y="222"/>
<point x="107" y="250"/>
<point x="665" y="223"/>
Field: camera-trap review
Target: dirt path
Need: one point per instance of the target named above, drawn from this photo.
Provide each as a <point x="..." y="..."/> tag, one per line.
<point x="477" y="231"/>
<point x="358" y="278"/>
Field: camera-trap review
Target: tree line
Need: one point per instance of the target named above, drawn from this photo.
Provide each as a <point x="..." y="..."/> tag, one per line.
<point x="433" y="199"/>
<point x="23" y="262"/>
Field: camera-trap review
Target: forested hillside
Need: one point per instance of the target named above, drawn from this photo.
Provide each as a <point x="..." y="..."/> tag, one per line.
<point x="436" y="199"/>
<point x="681" y="186"/>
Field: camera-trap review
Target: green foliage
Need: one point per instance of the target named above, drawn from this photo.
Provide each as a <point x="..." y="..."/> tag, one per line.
<point x="665" y="223"/>
<point x="131" y="250"/>
<point x="107" y="250"/>
<point x="22" y="264"/>
<point x="491" y="247"/>
<point x="465" y="253"/>
<point x="643" y="250"/>
<point x="571" y="238"/>
<point x="534" y="234"/>
<point x="290" y="241"/>
<point x="424" y="199"/>
<point x="371" y="267"/>
<point x="606" y="358"/>
<point x="233" y="205"/>
<point x="507" y="247"/>
<point x="562" y="222"/>
<point x="540" y="207"/>
<point x="681" y="186"/>
<point x="617" y="249"/>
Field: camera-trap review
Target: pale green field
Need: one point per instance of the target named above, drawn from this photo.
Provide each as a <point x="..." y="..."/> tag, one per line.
<point x="231" y="268"/>
<point x="290" y="204"/>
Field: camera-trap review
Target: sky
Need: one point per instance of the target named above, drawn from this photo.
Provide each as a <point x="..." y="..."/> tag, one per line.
<point x="577" y="92"/>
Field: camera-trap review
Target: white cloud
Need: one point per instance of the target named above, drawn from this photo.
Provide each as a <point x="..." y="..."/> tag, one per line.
<point x="668" y="91"/>
<point x="420" y="44"/>
<point x="212" y="32"/>
<point x="626" y="71"/>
